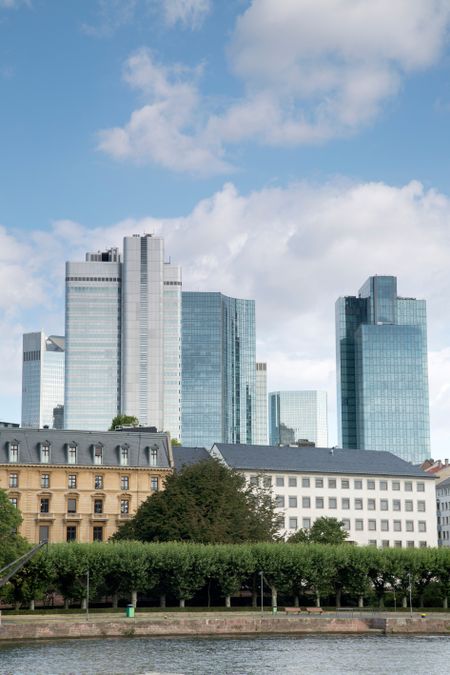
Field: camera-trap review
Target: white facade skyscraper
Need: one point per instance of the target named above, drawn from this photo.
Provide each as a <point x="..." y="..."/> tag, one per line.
<point x="260" y="429"/>
<point x="298" y="415"/>
<point x="42" y="378"/>
<point x="172" y="350"/>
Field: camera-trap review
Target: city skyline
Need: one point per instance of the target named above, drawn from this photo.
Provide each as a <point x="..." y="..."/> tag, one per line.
<point x="255" y="193"/>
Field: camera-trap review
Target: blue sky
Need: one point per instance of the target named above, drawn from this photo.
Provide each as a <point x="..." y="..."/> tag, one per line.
<point x="285" y="150"/>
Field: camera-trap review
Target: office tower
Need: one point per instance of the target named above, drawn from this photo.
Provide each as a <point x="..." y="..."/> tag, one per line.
<point x="42" y="378"/>
<point x="298" y="416"/>
<point x="260" y="432"/>
<point x="382" y="377"/>
<point x="92" y="382"/>
<point x="218" y="369"/>
<point x="151" y="332"/>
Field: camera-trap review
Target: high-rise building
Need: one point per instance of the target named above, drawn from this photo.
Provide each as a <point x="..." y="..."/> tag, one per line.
<point x="260" y="433"/>
<point x="382" y="375"/>
<point x="298" y="416"/>
<point x="42" y="378"/>
<point x="218" y="369"/>
<point x="93" y="341"/>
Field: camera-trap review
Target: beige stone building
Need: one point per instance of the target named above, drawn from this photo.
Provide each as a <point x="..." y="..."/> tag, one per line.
<point x="80" y="485"/>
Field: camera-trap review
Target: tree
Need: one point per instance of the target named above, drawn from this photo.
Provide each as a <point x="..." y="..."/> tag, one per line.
<point x="175" y="442"/>
<point x="324" y="531"/>
<point x="124" y="421"/>
<point x="206" y="503"/>
<point x="12" y="545"/>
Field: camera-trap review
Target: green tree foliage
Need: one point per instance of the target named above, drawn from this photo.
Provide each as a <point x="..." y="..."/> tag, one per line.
<point x="124" y="421"/>
<point x="12" y="545"/>
<point x="175" y="442"/>
<point x="205" y="503"/>
<point x="324" y="531"/>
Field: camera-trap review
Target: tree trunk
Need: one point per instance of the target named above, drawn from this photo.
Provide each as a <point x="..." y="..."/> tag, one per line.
<point x="317" y="599"/>
<point x="381" y="602"/>
<point x="421" y="598"/>
<point x="83" y="603"/>
<point x="404" y="602"/>
<point x="32" y="605"/>
<point x="254" y="594"/>
<point x="361" y="601"/>
<point x="296" y="601"/>
<point x="274" y="597"/>
<point x="445" y="603"/>
<point x="182" y="602"/>
<point x="134" y="598"/>
<point x="17" y="604"/>
<point x="338" y="598"/>
<point x="162" y="600"/>
<point x="66" y="603"/>
<point x="115" y="600"/>
<point x="228" y="601"/>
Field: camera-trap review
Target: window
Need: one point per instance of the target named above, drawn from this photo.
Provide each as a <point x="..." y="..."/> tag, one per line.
<point x="71" y="533"/>
<point x="358" y="484"/>
<point x="385" y="543"/>
<point x="154" y="484"/>
<point x="408" y="505"/>
<point x="45" y="453"/>
<point x="154" y="455"/>
<point x="97" y="533"/>
<point x="409" y="544"/>
<point x="319" y="482"/>
<point x="372" y="525"/>
<point x="421" y="506"/>
<point x="306" y="523"/>
<point x="396" y="505"/>
<point x="345" y="484"/>
<point x="72" y="454"/>
<point x="371" y="504"/>
<point x="420" y="487"/>
<point x="383" y="485"/>
<point x="124" y="455"/>
<point x="397" y="525"/>
<point x="292" y="482"/>
<point x="13" y="501"/>
<point x="44" y="506"/>
<point x="345" y="503"/>
<point x="372" y="542"/>
<point x="332" y="503"/>
<point x="254" y="480"/>
<point x="410" y="526"/>
<point x="72" y="481"/>
<point x="319" y="502"/>
<point x="422" y="544"/>
<point x="124" y="483"/>
<point x="98" y="505"/>
<point x="293" y="502"/>
<point x="306" y="502"/>
<point x="358" y="504"/>
<point x="384" y="525"/>
<point x="396" y="485"/>
<point x="371" y="485"/>
<point x="279" y="481"/>
<point x="408" y="486"/>
<point x="13" y="480"/>
<point x="293" y="523"/>
<point x="279" y="501"/>
<point x="44" y="531"/>
<point x="332" y="483"/>
<point x="359" y="524"/>
<point x="384" y="505"/>
<point x="98" y="482"/>
<point x="71" y="505"/>
<point x="267" y="481"/>
<point x="422" y="526"/>
<point x="397" y="544"/>
<point x="346" y="524"/>
<point x="98" y="453"/>
<point x="45" y="480"/>
<point x="14" y="452"/>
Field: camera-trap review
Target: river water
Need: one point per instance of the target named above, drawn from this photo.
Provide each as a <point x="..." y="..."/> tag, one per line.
<point x="346" y="655"/>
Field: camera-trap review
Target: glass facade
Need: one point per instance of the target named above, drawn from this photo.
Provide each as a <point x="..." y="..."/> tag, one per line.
<point x="42" y="378"/>
<point x="382" y="375"/>
<point x="298" y="415"/>
<point x="218" y="369"/>
<point x="260" y="434"/>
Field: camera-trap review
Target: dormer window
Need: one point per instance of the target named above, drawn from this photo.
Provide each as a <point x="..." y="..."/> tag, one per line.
<point x="153" y="455"/>
<point x="98" y="453"/>
<point x="45" y="452"/>
<point x="14" y="452"/>
<point x="72" y="453"/>
<point x="124" y="455"/>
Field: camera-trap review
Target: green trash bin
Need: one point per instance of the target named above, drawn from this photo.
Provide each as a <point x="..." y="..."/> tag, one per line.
<point x="129" y="611"/>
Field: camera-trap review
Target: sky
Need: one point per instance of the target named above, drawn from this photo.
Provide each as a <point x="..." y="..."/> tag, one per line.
<point x="285" y="149"/>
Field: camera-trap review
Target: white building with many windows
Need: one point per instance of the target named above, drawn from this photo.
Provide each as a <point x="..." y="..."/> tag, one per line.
<point x="382" y="500"/>
<point x="443" y="512"/>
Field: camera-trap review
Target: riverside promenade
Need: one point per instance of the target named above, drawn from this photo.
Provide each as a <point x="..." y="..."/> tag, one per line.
<point x="171" y="624"/>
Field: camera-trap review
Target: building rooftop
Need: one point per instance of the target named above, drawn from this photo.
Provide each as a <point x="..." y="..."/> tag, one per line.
<point x="443" y="484"/>
<point x="186" y="456"/>
<point x="317" y="460"/>
<point x="139" y="446"/>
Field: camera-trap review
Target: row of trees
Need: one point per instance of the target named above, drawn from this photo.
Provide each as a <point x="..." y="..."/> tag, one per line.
<point x="183" y="570"/>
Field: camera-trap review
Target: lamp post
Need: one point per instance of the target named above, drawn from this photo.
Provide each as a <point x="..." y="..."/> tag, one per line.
<point x="410" y="593"/>
<point x="87" y="595"/>
<point x="261" y="574"/>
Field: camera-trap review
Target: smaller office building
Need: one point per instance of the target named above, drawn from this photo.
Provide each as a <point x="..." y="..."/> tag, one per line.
<point x="80" y="485"/>
<point x="382" y="500"/>
<point x="443" y="512"/>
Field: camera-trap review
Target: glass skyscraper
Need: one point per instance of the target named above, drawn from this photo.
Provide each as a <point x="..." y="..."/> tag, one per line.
<point x="218" y="369"/>
<point x="382" y="374"/>
<point x="42" y="378"/>
<point x="298" y="416"/>
<point x="260" y="436"/>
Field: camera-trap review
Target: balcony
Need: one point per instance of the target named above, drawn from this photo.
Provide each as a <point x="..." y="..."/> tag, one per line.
<point x="72" y="517"/>
<point x="124" y="516"/>
<point x="44" y="516"/>
<point x="99" y="517"/>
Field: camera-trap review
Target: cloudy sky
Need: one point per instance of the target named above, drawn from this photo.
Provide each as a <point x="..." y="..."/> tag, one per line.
<point x="285" y="149"/>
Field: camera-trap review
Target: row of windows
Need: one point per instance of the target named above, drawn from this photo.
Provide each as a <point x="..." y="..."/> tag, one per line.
<point x="72" y="453"/>
<point x="44" y="505"/>
<point x="71" y="533"/>
<point x="371" y="526"/>
<point x="358" y="484"/>
<point x="358" y="504"/>
<point x="93" y="279"/>
<point x="442" y="506"/>
<point x="72" y="481"/>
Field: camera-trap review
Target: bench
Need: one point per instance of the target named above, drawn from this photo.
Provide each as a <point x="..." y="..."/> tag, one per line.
<point x="312" y="610"/>
<point x="292" y="610"/>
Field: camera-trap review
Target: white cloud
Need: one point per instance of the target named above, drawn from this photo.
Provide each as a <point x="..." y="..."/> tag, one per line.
<point x="14" y="4"/>
<point x="190" y="13"/>
<point x="110" y="16"/>
<point x="294" y="249"/>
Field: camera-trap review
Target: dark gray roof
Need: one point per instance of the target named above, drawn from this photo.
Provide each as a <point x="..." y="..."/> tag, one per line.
<point x="186" y="456"/>
<point x="317" y="460"/>
<point x="445" y="483"/>
<point x="139" y="444"/>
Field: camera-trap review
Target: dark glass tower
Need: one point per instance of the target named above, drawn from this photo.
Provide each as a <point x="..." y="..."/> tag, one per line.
<point x="382" y="375"/>
<point x="218" y="369"/>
